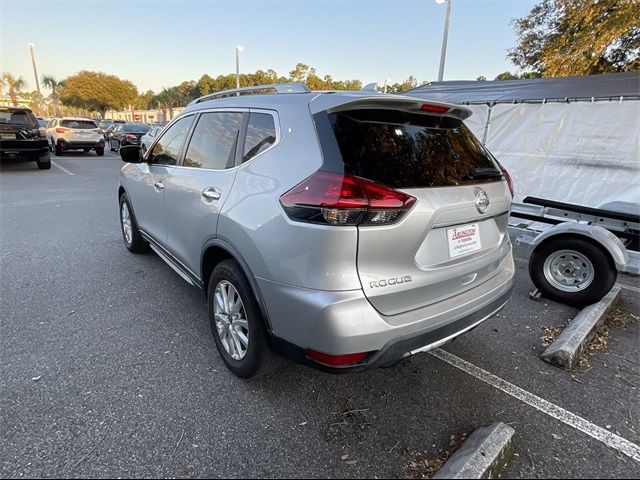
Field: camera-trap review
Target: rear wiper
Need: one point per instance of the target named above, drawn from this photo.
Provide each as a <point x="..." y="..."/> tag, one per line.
<point x="488" y="172"/>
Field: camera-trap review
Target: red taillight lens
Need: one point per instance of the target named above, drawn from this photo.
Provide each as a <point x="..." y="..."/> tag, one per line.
<point x="337" y="360"/>
<point x="337" y="199"/>
<point x="60" y="130"/>
<point x="507" y="177"/>
<point x="426" y="107"/>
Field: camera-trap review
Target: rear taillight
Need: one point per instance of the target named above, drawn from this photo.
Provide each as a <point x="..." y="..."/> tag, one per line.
<point x="427" y="107"/>
<point x="336" y="199"/>
<point x="507" y="178"/>
<point x="60" y="130"/>
<point x="337" y="360"/>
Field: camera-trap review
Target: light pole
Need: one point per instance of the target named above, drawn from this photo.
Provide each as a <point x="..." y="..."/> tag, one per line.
<point x="443" y="53"/>
<point x="386" y="81"/>
<point x="35" y="72"/>
<point x="238" y="50"/>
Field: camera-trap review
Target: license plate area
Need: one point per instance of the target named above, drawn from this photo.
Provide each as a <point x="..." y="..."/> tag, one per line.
<point x="463" y="239"/>
<point x="8" y="136"/>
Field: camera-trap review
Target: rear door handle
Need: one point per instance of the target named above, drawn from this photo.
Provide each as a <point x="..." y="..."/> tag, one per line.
<point x="159" y="185"/>
<point x="211" y="194"/>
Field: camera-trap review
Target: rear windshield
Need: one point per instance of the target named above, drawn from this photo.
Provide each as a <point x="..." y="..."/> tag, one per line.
<point x="18" y="118"/>
<point x="136" y="127"/>
<point x="404" y="150"/>
<point x="79" y="124"/>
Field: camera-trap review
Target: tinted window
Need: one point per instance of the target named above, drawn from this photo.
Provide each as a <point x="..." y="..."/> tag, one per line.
<point x="167" y="150"/>
<point x="405" y="150"/>
<point x="214" y="140"/>
<point x="20" y="118"/>
<point x="261" y="134"/>
<point x="136" y="127"/>
<point x="80" y="124"/>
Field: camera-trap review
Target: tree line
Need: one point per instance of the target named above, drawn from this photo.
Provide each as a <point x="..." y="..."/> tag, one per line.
<point x="556" y="38"/>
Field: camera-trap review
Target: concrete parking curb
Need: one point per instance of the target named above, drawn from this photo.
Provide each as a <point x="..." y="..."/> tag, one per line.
<point x="482" y="455"/>
<point x="565" y="351"/>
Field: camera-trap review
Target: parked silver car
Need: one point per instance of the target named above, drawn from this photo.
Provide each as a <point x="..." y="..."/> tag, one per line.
<point x="343" y="230"/>
<point x="147" y="139"/>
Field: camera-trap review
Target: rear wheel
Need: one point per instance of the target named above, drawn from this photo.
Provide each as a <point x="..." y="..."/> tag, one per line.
<point x="44" y="163"/>
<point x="572" y="270"/>
<point x="237" y="323"/>
<point x="58" y="150"/>
<point x="100" y="151"/>
<point x="130" y="233"/>
<point x="86" y="150"/>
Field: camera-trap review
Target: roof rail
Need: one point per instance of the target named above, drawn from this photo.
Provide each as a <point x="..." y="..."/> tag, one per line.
<point x="296" y="87"/>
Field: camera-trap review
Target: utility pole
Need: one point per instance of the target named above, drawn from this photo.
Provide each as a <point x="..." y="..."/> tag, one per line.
<point x="238" y="50"/>
<point x="35" y="72"/>
<point x="445" y="36"/>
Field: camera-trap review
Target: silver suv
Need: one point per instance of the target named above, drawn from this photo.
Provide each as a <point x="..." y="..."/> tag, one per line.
<point x="343" y="230"/>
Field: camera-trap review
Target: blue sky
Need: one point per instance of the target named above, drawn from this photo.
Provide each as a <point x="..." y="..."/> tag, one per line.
<point x="161" y="43"/>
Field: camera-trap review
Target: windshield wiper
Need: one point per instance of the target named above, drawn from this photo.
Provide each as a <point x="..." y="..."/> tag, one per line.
<point x="488" y="172"/>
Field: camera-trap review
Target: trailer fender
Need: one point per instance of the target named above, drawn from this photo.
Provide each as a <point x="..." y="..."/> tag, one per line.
<point x="604" y="237"/>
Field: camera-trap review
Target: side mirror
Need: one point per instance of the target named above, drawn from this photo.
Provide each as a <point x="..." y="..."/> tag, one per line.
<point x="131" y="154"/>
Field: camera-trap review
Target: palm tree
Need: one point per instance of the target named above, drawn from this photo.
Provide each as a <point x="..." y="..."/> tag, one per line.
<point x="51" y="82"/>
<point x="15" y="84"/>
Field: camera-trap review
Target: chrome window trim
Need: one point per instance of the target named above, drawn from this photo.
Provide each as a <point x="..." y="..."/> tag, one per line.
<point x="276" y="121"/>
<point x="146" y="156"/>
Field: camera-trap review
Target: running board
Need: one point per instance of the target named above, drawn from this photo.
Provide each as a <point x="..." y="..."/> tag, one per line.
<point x="169" y="262"/>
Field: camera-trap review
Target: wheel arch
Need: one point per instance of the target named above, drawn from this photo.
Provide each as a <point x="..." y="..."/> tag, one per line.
<point x="216" y="251"/>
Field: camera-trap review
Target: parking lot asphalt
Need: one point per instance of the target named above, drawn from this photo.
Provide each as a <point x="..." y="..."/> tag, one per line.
<point x="109" y="368"/>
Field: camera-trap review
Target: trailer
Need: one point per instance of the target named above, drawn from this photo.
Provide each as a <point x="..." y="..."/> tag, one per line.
<point x="576" y="252"/>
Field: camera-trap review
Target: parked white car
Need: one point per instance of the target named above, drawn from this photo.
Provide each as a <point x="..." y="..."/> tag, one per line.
<point x="148" y="138"/>
<point x="71" y="133"/>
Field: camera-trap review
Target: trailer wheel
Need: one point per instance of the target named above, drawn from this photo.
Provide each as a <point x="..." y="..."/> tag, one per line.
<point x="572" y="270"/>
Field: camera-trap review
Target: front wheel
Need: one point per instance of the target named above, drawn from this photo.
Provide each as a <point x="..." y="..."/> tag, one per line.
<point x="237" y="324"/>
<point x="130" y="233"/>
<point x="100" y="151"/>
<point x="572" y="270"/>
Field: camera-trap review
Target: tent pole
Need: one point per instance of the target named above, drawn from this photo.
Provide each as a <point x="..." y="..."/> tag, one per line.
<point x="486" y="125"/>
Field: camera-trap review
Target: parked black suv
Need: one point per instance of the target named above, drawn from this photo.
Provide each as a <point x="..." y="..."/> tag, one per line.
<point x="22" y="137"/>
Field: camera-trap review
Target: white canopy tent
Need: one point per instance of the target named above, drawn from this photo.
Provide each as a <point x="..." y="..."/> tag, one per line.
<point x="572" y="139"/>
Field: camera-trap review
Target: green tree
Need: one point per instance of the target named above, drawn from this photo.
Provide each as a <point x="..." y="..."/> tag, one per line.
<point x="50" y="81"/>
<point x="14" y="84"/>
<point x="578" y="37"/>
<point x="507" y="76"/>
<point x="96" y="91"/>
<point x="143" y="102"/>
<point x="481" y="78"/>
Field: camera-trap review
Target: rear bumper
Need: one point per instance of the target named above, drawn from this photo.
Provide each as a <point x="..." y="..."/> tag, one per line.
<point x="71" y="145"/>
<point x="14" y="149"/>
<point x="339" y="323"/>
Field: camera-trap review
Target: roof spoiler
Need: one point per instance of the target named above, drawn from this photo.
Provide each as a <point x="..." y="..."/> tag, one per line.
<point x="392" y="102"/>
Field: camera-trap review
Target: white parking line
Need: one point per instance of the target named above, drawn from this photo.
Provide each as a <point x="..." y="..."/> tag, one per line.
<point x="571" y="419"/>
<point x="629" y="287"/>
<point x="61" y="168"/>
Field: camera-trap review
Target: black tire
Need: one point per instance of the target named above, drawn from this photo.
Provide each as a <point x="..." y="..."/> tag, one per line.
<point x="86" y="150"/>
<point x="602" y="266"/>
<point x="137" y="243"/>
<point x="100" y="151"/>
<point x="111" y="146"/>
<point x="44" y="163"/>
<point x="259" y="360"/>
<point x="58" y="150"/>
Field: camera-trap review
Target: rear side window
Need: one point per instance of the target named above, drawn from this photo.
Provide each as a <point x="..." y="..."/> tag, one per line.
<point x="18" y="118"/>
<point x="410" y="150"/>
<point x="167" y="149"/>
<point x="214" y="140"/>
<point x="261" y="134"/>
